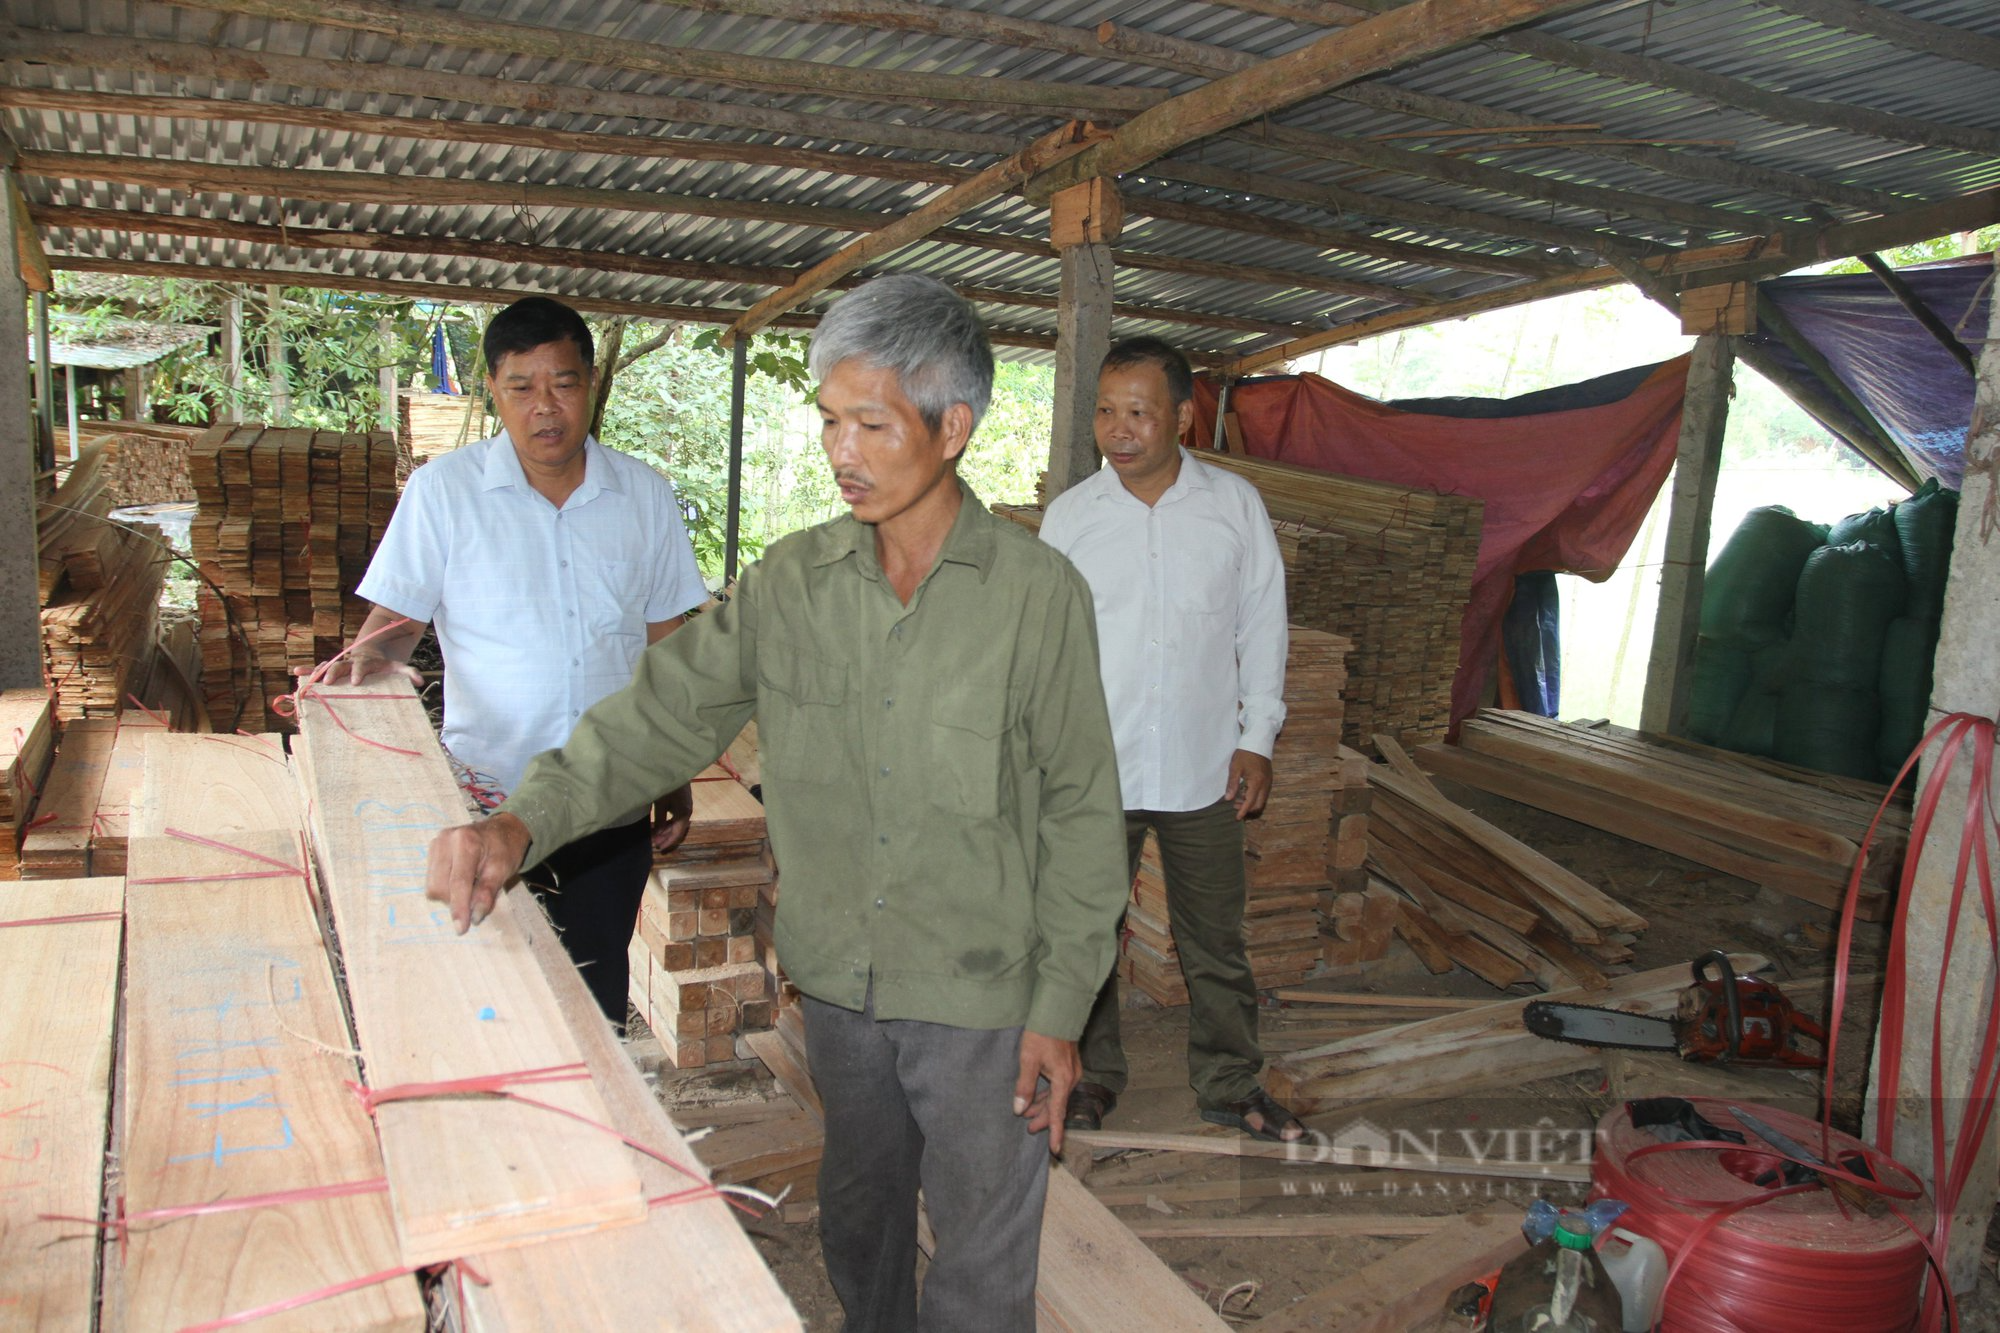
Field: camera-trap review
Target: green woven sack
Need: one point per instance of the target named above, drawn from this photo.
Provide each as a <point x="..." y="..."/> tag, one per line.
<point x="1830" y="729"/>
<point x="1925" y="525"/>
<point x="1753" y="728"/>
<point x="1908" y="649"/>
<point x="1877" y="527"/>
<point x="1847" y="596"/>
<point x="1747" y="594"/>
<point x="1721" y="675"/>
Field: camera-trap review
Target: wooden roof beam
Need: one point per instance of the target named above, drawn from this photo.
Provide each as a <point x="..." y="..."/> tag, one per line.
<point x="1912" y="34"/>
<point x="415" y="26"/>
<point x="1426" y="28"/>
<point x="591" y="261"/>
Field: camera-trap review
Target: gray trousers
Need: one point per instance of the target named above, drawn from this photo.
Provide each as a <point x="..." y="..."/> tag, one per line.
<point x="908" y="1105"/>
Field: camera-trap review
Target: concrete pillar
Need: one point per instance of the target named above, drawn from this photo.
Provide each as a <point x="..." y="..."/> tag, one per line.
<point x="385" y="378"/>
<point x="232" y="358"/>
<point x="1083" y="221"/>
<point x="1966" y="679"/>
<point x="274" y="352"/>
<point x="1697" y="463"/>
<point x="20" y="594"/>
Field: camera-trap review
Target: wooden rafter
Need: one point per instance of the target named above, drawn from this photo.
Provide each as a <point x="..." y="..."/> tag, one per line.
<point x="417" y="26"/>
<point x="1426" y="28"/>
<point x="594" y="261"/>
<point x="1913" y="34"/>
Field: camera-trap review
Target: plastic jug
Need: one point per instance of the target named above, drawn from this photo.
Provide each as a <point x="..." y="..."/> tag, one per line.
<point x="1638" y="1268"/>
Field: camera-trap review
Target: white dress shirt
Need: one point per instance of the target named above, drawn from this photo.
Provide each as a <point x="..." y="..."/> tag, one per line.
<point x="1191" y="635"/>
<point x="540" y="611"/>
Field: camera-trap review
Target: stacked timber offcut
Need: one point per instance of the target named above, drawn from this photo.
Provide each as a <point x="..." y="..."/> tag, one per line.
<point x="1308" y="846"/>
<point x="1791" y="830"/>
<point x="700" y="956"/>
<point x="1396" y="583"/>
<point x="100" y="588"/>
<point x="1460" y="891"/>
<point x="287" y="522"/>
<point x="27" y="741"/>
<point x="429" y="424"/>
<point x="146" y="462"/>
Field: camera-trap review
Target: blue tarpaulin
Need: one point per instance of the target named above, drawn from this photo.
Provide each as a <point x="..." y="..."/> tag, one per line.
<point x="1913" y="386"/>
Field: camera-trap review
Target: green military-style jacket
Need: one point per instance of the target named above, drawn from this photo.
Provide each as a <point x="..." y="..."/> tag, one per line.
<point x="939" y="778"/>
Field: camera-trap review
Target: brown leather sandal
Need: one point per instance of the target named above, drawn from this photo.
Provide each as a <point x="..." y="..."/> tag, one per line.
<point x="1089" y="1103"/>
<point x="1273" y="1119"/>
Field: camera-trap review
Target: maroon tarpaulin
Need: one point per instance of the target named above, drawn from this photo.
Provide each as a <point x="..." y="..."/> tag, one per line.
<point x="1567" y="474"/>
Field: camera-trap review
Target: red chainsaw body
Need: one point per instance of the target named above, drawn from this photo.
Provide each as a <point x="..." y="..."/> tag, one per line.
<point x="1766" y="1023"/>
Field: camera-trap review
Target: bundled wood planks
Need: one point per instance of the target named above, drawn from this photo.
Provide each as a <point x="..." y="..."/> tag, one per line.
<point x="1386" y="566"/>
<point x="1788" y="829"/>
<point x="27" y="743"/>
<point x="429" y="424"/>
<point x="288" y="520"/>
<point x="702" y="966"/>
<point x="100" y="587"/>
<point x="57" y="841"/>
<point x="1473" y="895"/>
<point x="146" y="462"/>
<point x="58" y="997"/>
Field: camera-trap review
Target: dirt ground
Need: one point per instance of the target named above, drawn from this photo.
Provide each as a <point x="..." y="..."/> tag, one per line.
<point x="1690" y="910"/>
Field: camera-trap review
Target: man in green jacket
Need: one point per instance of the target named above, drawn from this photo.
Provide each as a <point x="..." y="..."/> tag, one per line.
<point x="942" y="795"/>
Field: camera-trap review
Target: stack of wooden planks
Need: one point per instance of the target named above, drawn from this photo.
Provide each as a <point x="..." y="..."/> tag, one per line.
<point x="287" y="522"/>
<point x="100" y="586"/>
<point x="83" y="818"/>
<point x="1789" y="829"/>
<point x="146" y="462"/>
<point x="1396" y="582"/>
<point x="1309" y="845"/>
<point x="27" y="743"/>
<point x="1472" y="895"/>
<point x="701" y="974"/>
<point x="429" y="424"/>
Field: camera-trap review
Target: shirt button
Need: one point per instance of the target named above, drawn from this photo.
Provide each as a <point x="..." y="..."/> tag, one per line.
<point x="578" y="661"/>
<point x="898" y="631"/>
<point x="885" y="770"/>
<point x="888" y="703"/>
<point x="570" y="614"/>
<point x="880" y="903"/>
<point x="574" y="713"/>
<point x="565" y="564"/>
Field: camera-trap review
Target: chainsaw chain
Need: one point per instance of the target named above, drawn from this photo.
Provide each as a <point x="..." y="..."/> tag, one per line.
<point x="1673" y="1049"/>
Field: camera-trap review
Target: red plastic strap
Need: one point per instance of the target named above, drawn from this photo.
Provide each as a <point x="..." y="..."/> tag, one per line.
<point x="283" y="870"/>
<point x="287" y="705"/>
<point x="63" y="920"/>
<point x="308" y="1298"/>
<point x="241" y="1203"/>
<point x="160" y="718"/>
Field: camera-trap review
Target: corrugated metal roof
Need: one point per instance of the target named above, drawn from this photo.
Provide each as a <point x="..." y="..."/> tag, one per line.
<point x="1306" y="211"/>
<point x="114" y="344"/>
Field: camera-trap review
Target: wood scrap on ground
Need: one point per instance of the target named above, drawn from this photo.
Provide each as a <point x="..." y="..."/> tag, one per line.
<point x="1791" y="830"/>
<point x="58" y="998"/>
<point x="1482" y="898"/>
<point x="1470" y="1051"/>
<point x="1404" y="1290"/>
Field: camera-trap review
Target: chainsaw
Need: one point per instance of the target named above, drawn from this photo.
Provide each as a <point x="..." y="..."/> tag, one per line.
<point x="1720" y="1019"/>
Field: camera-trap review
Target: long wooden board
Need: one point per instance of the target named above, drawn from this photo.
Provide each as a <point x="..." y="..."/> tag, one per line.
<point x="467" y="1174"/>
<point x="1462" y="1052"/>
<point x="235" y="1087"/>
<point x="1405" y="1289"/>
<point x="124" y="771"/>
<point x="1097" y="1277"/>
<point x="57" y="845"/>
<point x="58" y="993"/>
<point x="690" y="1267"/>
<point x="214" y="785"/>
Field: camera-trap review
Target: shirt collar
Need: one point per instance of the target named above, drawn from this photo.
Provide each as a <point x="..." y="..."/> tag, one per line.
<point x="503" y="468"/>
<point x="970" y="542"/>
<point x="1193" y="477"/>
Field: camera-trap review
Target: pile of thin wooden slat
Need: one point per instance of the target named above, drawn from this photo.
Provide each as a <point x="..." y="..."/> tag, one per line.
<point x="146" y="462"/>
<point x="27" y="742"/>
<point x="701" y="961"/>
<point x="287" y="522"/>
<point x="81" y="822"/>
<point x="1306" y="848"/>
<point x="1396" y="583"/>
<point x="100" y="588"/>
<point x="429" y="424"/>
<point x="1789" y="829"/>
<point x="1472" y="895"/>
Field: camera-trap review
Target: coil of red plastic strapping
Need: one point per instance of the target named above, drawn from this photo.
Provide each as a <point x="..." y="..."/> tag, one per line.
<point x="1753" y="1257"/>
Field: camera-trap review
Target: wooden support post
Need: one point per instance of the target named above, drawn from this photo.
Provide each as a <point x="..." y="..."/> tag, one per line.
<point x="739" y="373"/>
<point x="1083" y="222"/>
<point x="69" y="394"/>
<point x="232" y="359"/>
<point x="274" y="353"/>
<point x="1966" y="678"/>
<point x="1924" y="315"/>
<point x="20" y="600"/>
<point x="385" y="376"/>
<point x="45" y="389"/>
<point x="138" y="380"/>
<point x="1697" y="463"/>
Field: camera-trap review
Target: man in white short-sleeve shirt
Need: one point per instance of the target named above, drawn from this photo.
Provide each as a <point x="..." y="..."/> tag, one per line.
<point x="1190" y="598"/>
<point x="547" y="562"/>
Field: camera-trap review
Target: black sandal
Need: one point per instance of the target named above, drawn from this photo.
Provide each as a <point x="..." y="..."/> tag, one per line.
<point x="1274" y="1119"/>
<point x="1089" y="1103"/>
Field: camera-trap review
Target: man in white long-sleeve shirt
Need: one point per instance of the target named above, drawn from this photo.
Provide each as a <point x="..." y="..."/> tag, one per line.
<point x="1190" y="598"/>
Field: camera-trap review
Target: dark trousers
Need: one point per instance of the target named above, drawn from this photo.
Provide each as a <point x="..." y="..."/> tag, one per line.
<point x="914" y="1105"/>
<point x="591" y="889"/>
<point x="1201" y="852"/>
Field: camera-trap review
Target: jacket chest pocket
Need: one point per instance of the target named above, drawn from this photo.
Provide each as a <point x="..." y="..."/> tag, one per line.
<point x="801" y="718"/>
<point x="967" y="742"/>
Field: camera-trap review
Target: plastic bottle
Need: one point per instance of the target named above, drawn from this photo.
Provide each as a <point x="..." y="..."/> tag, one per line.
<point x="1638" y="1267"/>
<point x="1559" y="1285"/>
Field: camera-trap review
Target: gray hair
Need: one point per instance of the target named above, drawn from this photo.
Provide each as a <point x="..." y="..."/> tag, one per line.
<point x="920" y="329"/>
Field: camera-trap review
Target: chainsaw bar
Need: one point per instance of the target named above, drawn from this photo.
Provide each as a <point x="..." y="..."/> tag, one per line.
<point x="1587" y="1025"/>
